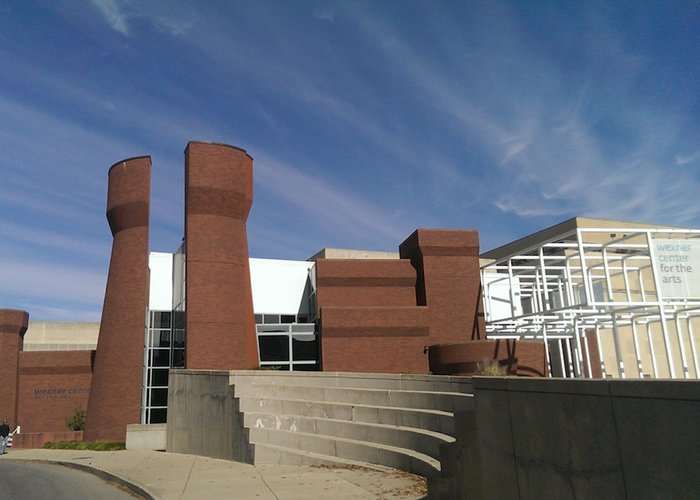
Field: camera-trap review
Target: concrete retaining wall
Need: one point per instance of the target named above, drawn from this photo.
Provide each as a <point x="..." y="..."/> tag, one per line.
<point x="576" y="439"/>
<point x="203" y="418"/>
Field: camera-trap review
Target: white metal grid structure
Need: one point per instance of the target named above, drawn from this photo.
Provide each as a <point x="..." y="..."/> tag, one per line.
<point x="606" y="301"/>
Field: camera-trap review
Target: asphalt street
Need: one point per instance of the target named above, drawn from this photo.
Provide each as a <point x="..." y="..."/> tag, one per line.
<point x="22" y="480"/>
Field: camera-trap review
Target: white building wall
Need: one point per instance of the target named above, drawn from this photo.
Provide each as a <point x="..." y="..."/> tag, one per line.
<point x="278" y="285"/>
<point x="160" y="293"/>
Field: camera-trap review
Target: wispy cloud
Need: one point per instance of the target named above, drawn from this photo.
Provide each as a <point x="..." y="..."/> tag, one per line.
<point x="53" y="281"/>
<point x="324" y="14"/>
<point x="688" y="159"/>
<point x="115" y="14"/>
<point x="339" y="210"/>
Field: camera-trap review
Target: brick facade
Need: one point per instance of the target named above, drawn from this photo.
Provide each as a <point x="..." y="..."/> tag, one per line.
<point x="13" y="325"/>
<point x="52" y="386"/>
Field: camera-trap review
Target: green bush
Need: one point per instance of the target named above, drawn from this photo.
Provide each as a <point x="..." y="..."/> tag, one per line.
<point x="77" y="421"/>
<point x="86" y="445"/>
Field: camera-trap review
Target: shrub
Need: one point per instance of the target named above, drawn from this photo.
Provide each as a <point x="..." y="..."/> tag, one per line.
<point x="490" y="368"/>
<point x="77" y="421"/>
<point x="86" y="445"/>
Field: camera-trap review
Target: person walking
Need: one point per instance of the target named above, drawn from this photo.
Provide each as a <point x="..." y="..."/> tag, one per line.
<point x="4" y="436"/>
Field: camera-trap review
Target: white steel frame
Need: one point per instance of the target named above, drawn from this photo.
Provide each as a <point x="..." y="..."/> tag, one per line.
<point x="595" y="281"/>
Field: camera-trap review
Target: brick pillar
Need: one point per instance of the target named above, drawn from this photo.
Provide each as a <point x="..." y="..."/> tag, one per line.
<point x="447" y="264"/>
<point x="115" y="394"/>
<point x="219" y="300"/>
<point x="13" y="324"/>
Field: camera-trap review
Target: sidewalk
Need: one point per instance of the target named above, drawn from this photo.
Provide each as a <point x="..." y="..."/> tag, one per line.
<point x="171" y="476"/>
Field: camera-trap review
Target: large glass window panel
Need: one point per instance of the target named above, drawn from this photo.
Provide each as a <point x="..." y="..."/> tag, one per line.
<point x="304" y="348"/>
<point x="160" y="357"/>
<point x="179" y="337"/>
<point x="178" y="358"/>
<point x="158" y="377"/>
<point x="159" y="397"/>
<point x="274" y="348"/>
<point x="160" y="319"/>
<point x="158" y="415"/>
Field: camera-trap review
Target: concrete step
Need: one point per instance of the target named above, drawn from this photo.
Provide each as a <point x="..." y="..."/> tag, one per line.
<point x="445" y="401"/>
<point x="432" y="420"/>
<point x="349" y="449"/>
<point x="270" y="454"/>
<point x="438" y="383"/>
<point x="420" y="440"/>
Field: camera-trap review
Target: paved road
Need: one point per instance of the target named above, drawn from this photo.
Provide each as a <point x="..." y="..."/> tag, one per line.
<point x="38" y="481"/>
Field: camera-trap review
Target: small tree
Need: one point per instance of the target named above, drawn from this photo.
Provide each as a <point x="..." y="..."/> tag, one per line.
<point x="77" y="421"/>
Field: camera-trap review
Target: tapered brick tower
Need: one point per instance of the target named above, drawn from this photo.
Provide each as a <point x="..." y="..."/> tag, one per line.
<point x="13" y="325"/>
<point x="115" y="395"/>
<point x="219" y="311"/>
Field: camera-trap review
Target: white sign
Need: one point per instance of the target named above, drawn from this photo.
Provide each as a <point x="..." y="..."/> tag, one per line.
<point x="678" y="267"/>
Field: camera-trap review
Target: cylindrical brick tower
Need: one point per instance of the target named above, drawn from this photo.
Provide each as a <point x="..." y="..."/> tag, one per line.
<point x="13" y="324"/>
<point x="219" y="300"/>
<point x="115" y="394"/>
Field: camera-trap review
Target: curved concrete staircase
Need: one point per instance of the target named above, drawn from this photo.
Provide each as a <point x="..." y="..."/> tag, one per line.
<point x="371" y="420"/>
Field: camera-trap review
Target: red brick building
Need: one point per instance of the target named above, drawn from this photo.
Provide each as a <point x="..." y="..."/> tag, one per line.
<point x="402" y="313"/>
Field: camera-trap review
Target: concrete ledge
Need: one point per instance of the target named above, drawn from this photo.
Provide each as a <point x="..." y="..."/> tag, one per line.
<point x="146" y="436"/>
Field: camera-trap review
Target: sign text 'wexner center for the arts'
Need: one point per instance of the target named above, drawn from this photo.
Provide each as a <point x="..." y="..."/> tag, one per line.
<point x="678" y="265"/>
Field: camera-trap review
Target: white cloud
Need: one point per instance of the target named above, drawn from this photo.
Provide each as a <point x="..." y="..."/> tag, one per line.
<point x="688" y="159"/>
<point x="114" y="12"/>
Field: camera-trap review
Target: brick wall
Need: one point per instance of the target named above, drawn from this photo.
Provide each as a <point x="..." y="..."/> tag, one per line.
<point x="52" y="386"/>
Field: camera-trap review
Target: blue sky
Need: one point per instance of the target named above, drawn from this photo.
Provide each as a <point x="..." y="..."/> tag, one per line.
<point x="366" y="120"/>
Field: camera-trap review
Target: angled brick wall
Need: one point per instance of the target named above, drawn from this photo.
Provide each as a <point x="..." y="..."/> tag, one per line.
<point x="447" y="263"/>
<point x="13" y="324"/>
<point x="219" y="310"/>
<point x="115" y="397"/>
<point x="380" y="315"/>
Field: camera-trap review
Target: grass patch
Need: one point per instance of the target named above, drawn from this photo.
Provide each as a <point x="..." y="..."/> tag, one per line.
<point x="86" y="445"/>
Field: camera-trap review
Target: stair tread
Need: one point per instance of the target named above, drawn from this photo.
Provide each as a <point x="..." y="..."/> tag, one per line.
<point x="438" y="435"/>
<point x="329" y="458"/>
<point x="383" y="407"/>
<point x="406" y="451"/>
<point x="367" y="389"/>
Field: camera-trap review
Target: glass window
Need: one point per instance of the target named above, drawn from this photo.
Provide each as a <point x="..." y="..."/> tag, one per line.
<point x="158" y="378"/>
<point x="304" y="348"/>
<point x="288" y="318"/>
<point x="271" y="319"/>
<point x="258" y="319"/>
<point x="274" y="348"/>
<point x="178" y="358"/>
<point x="159" y="397"/>
<point x="158" y="415"/>
<point x="160" y="357"/>
<point x="313" y="367"/>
